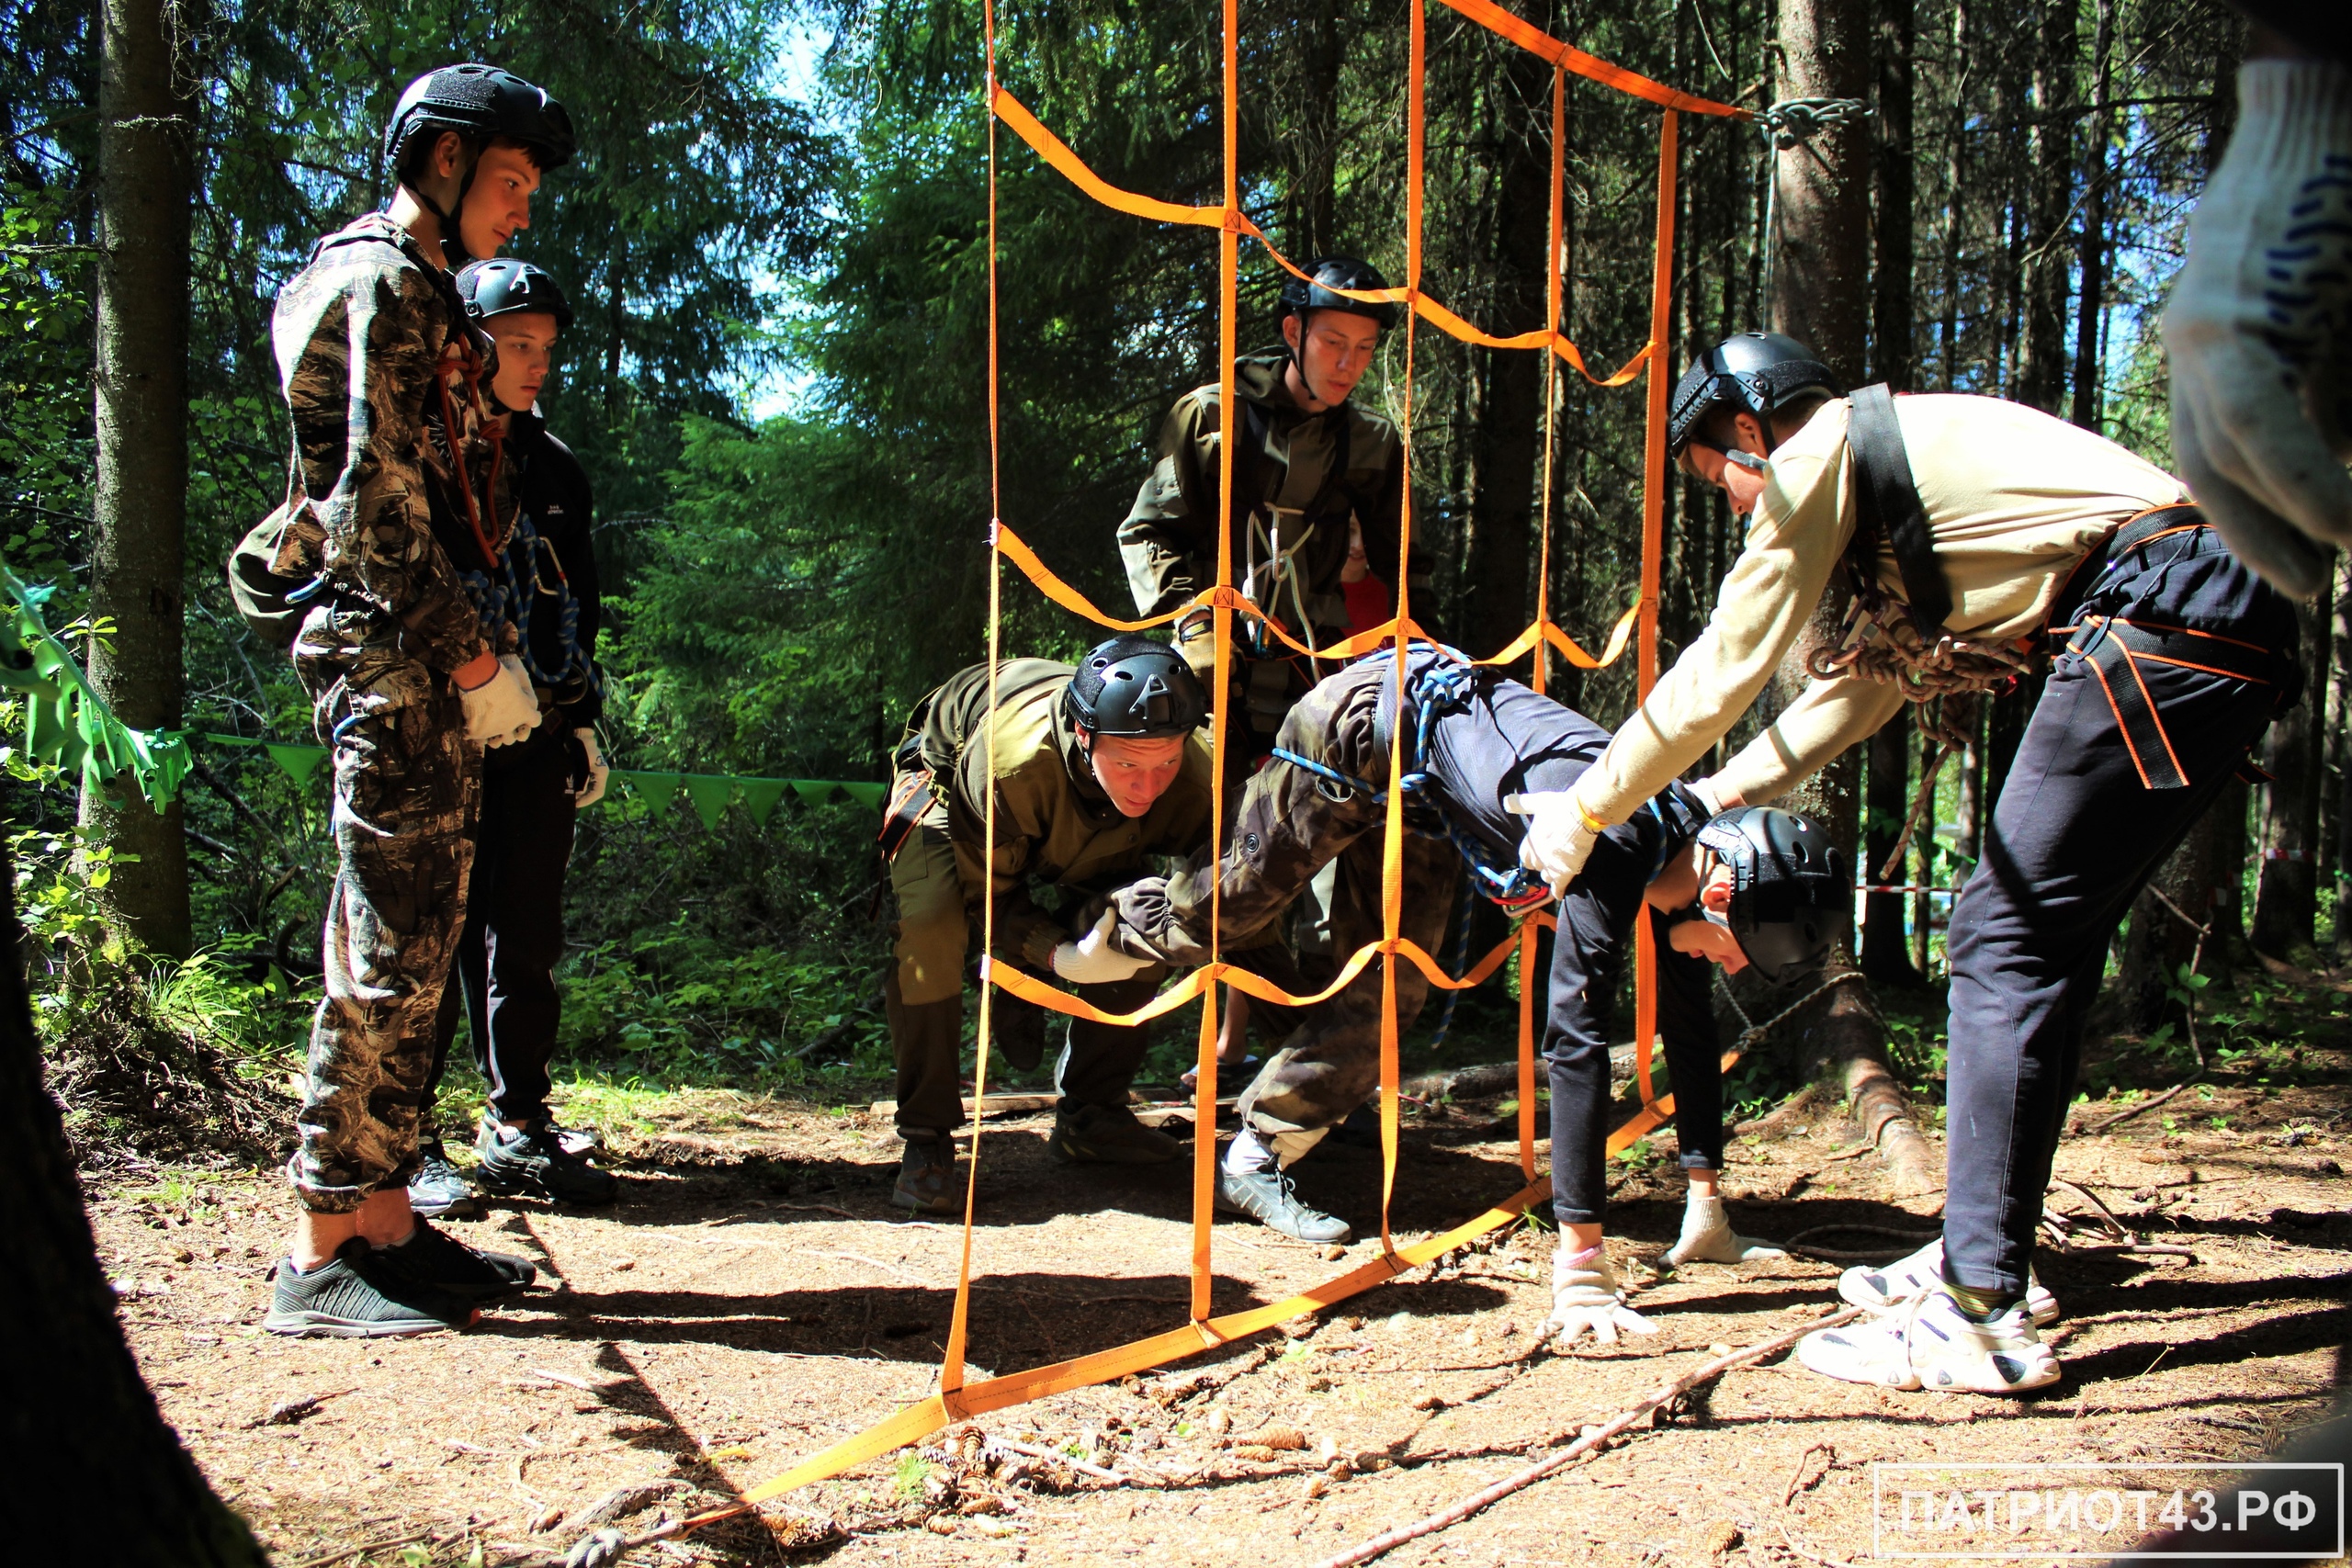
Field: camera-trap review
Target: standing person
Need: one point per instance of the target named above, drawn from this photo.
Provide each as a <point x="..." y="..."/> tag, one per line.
<point x="1093" y="768"/>
<point x="1483" y="751"/>
<point x="1978" y="535"/>
<point x="1315" y="475"/>
<point x="2260" y="327"/>
<point x="545" y="590"/>
<point x="396" y="478"/>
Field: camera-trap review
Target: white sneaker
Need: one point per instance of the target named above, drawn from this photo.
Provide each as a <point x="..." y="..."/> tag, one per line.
<point x="1707" y="1237"/>
<point x="1933" y="1344"/>
<point x="1887" y="1288"/>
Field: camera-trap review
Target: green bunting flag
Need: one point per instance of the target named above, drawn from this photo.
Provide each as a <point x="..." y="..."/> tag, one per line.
<point x="67" y="722"/>
<point x="711" y="793"/>
<point x="760" y="796"/>
<point x="300" y="762"/>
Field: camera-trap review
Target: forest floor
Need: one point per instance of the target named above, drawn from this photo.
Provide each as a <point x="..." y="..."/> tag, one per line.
<point x="753" y="1299"/>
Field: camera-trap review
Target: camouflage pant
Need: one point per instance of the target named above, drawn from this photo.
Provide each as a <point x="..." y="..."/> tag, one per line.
<point x="1292" y="824"/>
<point x="407" y="783"/>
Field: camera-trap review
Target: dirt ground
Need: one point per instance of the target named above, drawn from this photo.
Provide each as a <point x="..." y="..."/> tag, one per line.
<point x="752" y="1301"/>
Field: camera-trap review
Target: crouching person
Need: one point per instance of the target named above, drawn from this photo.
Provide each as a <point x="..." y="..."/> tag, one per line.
<point x="1479" y="747"/>
<point x="1093" y="770"/>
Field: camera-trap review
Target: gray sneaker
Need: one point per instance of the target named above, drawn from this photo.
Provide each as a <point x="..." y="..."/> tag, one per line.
<point x="529" y="1159"/>
<point x="926" y="1175"/>
<point x="1268" y="1197"/>
<point x="438" y="1189"/>
<point x="1107" y="1135"/>
<point x="354" y="1296"/>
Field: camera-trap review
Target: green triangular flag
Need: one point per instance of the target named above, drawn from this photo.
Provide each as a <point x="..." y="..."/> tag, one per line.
<point x="869" y="795"/>
<point x="298" y="761"/>
<point x="760" y="796"/>
<point x="656" y="788"/>
<point x="711" y="793"/>
<point x="815" y="792"/>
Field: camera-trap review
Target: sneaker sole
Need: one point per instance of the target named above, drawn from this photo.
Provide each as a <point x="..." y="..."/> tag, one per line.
<point x="312" y="1325"/>
<point x="901" y="1199"/>
<point x="462" y="1209"/>
<point x="1224" y="1206"/>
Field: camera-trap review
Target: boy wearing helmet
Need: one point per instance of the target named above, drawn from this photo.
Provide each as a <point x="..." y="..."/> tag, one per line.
<point x="1094" y="769"/>
<point x="1482" y="755"/>
<point x="544" y="587"/>
<point x="1317" y="481"/>
<point x="396" y="484"/>
<point x="1978" y="537"/>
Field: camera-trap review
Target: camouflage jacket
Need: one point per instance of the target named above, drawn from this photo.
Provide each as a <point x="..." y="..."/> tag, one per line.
<point x="1054" y="823"/>
<point x="383" y="380"/>
<point x="1297" y="474"/>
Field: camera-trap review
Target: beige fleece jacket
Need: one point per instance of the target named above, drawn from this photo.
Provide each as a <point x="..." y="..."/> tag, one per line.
<point x="2014" y="498"/>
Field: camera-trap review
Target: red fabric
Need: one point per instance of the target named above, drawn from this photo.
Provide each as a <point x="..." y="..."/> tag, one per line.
<point x="1368" y="604"/>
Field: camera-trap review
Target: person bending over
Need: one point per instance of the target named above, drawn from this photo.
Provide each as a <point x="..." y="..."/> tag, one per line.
<point x="1481" y="752"/>
<point x="1094" y="769"/>
<point x="1979" y="537"/>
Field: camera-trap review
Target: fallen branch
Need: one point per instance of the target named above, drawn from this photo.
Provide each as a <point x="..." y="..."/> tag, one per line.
<point x="1796" y="1478"/>
<point x="1054" y="1456"/>
<point x="342" y="1553"/>
<point x="2122" y="1116"/>
<point x="1593" y="1439"/>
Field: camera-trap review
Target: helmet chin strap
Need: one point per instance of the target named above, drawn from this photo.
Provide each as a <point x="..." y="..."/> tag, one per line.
<point x="453" y="241"/>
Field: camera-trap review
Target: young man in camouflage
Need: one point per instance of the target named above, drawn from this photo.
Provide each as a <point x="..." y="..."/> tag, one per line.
<point x="1094" y="769"/>
<point x="1756" y="887"/>
<point x="395" y="478"/>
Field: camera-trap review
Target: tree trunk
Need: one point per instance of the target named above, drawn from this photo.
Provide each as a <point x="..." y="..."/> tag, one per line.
<point x="82" y="1432"/>
<point x="2285" y="899"/>
<point x="144" y="190"/>
<point x="1885" y="958"/>
<point x="1892" y="182"/>
<point x="1508" y="439"/>
<point x="2196" y="878"/>
<point x="2090" y="315"/>
<point x="1821" y="296"/>
<point x="2042" y="367"/>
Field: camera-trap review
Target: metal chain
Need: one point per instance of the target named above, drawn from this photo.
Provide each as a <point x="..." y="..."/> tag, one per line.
<point x="1793" y="121"/>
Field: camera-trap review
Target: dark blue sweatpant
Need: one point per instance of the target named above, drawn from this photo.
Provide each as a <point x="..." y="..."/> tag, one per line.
<point x="2074" y="837"/>
<point x="1588" y="957"/>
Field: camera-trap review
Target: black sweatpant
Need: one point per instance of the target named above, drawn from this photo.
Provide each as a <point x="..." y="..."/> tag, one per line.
<point x="1588" y="957"/>
<point x="514" y="930"/>
<point x="2073" y="838"/>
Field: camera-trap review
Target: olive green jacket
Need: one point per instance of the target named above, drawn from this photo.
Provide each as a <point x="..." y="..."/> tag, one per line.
<point x="1287" y="460"/>
<point x="1054" y="824"/>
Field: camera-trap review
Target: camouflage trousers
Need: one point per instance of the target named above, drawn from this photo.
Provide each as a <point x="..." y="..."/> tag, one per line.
<point x="407" y="784"/>
<point x="1292" y="825"/>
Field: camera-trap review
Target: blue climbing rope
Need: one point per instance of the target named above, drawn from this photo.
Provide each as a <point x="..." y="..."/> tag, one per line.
<point x="503" y="600"/>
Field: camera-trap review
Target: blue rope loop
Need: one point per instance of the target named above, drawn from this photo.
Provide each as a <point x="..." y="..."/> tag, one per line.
<point x="503" y="601"/>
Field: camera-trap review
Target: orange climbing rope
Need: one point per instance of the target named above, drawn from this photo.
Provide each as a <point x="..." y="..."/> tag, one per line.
<point x="957" y="1400"/>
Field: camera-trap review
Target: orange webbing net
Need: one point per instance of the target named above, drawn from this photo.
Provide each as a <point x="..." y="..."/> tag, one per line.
<point x="955" y="1401"/>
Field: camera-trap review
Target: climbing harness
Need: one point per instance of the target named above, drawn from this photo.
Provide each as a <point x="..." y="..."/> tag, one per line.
<point x="1442" y="685"/>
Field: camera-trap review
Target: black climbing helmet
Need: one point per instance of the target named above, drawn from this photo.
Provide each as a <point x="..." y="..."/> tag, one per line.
<point x="1338" y="272"/>
<point x="1135" y="688"/>
<point x="1747" y="373"/>
<point x="504" y="285"/>
<point x="477" y="102"/>
<point x="1791" y="893"/>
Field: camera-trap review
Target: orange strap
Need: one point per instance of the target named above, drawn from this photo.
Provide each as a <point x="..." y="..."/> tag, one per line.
<point x="1494" y="18"/>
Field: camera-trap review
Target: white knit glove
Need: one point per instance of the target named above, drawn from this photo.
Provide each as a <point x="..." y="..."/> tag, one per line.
<point x="1093" y="961"/>
<point x="1558" y="842"/>
<point x="504" y="708"/>
<point x="1585" y="1295"/>
<point x="2259" y="330"/>
<point x="1707" y="1237"/>
<point x="593" y="790"/>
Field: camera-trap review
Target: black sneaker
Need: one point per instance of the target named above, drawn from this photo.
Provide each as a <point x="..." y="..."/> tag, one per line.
<point x="353" y="1296"/>
<point x="437" y="1189"/>
<point x="580" y="1142"/>
<point x="1107" y="1135"/>
<point x="1268" y="1197"/>
<point x="437" y="1258"/>
<point x="529" y="1159"/>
